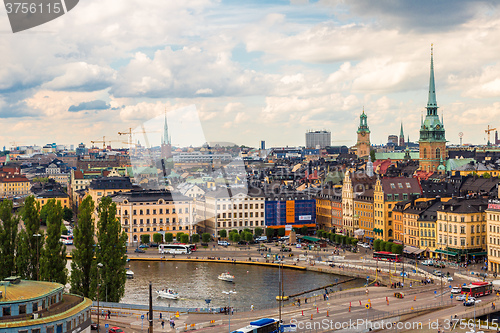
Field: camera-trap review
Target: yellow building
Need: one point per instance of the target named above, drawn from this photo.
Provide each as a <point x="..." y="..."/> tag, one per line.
<point x="363" y="215"/>
<point x="363" y="143"/>
<point x="43" y="197"/>
<point x="356" y="183"/>
<point x="493" y="235"/>
<point x="461" y="229"/>
<point x="397" y="214"/>
<point x="105" y="186"/>
<point x="153" y="211"/>
<point x="14" y="186"/>
<point x="388" y="192"/>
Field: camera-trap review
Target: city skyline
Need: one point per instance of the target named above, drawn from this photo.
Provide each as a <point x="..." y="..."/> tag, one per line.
<point x="256" y="71"/>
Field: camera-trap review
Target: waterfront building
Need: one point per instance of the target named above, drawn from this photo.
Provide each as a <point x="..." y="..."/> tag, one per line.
<point x="493" y="235"/>
<point x="154" y="211"/>
<point x="363" y="215"/>
<point x="432" y="142"/>
<point x="290" y="210"/>
<point x="461" y="229"/>
<point x="388" y="192"/>
<point x="228" y="209"/>
<point x="363" y="143"/>
<point x="356" y="183"/>
<point x="397" y="214"/>
<point x="321" y="139"/>
<point x="41" y="307"/>
<point x="329" y="210"/>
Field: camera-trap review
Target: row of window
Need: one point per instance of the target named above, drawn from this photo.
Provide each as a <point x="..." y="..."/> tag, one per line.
<point x="161" y="229"/>
<point x="472" y="242"/>
<point x="241" y="224"/>
<point x="240" y="206"/>
<point x="160" y="211"/>
<point x="477" y="228"/>
<point x="453" y="218"/>
<point x="240" y="215"/>
<point x="167" y="220"/>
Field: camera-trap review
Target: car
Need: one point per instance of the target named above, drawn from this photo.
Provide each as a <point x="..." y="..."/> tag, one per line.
<point x="450" y="278"/>
<point x="115" y="330"/>
<point x="471" y="301"/>
<point x="456" y="290"/>
<point x="204" y="244"/>
<point x="437" y="273"/>
<point x="153" y="245"/>
<point x="461" y="297"/>
<point x="242" y="243"/>
<point x="143" y="246"/>
<point x="439" y="265"/>
<point x="93" y="326"/>
<point x="138" y="250"/>
<point x="223" y="243"/>
<point x="366" y="246"/>
<point x="427" y="262"/>
<point x="298" y="246"/>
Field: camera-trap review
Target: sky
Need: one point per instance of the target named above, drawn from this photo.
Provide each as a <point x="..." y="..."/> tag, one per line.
<point x="253" y="70"/>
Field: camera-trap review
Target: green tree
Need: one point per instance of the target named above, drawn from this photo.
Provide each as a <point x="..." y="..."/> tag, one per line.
<point x="372" y="155"/>
<point x="53" y="258"/>
<point x="248" y="237"/>
<point x="388" y="246"/>
<point x="223" y="233"/>
<point x="185" y="238"/>
<point x="111" y="254"/>
<point x="320" y="233"/>
<point x="376" y="245"/>
<point x="67" y="214"/>
<point x="145" y="239"/>
<point x="157" y="238"/>
<point x="169" y="238"/>
<point x="338" y="238"/>
<point x="43" y="214"/>
<point x="248" y="230"/>
<point x="8" y="238"/>
<point x="304" y="230"/>
<point x="397" y="248"/>
<point x="486" y="175"/>
<point x="30" y="241"/>
<point x="195" y="238"/>
<point x="354" y="242"/>
<point x="236" y="237"/>
<point x="178" y="236"/>
<point x="205" y="237"/>
<point x="269" y="232"/>
<point x="259" y="232"/>
<point x="83" y="265"/>
<point x="281" y="232"/>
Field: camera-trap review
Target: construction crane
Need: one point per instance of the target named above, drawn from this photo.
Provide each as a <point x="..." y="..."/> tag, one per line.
<point x="488" y="131"/>
<point x="104" y="142"/>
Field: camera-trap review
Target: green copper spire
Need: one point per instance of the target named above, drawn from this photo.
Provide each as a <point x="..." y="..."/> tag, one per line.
<point x="401" y="134"/>
<point x="431" y="102"/>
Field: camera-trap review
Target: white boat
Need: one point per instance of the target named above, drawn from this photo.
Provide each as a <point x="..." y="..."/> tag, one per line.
<point x="226" y="277"/>
<point x="169" y="293"/>
<point x="129" y="274"/>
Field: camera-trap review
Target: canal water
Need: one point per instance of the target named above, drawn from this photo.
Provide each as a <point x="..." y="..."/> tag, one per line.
<point x="197" y="281"/>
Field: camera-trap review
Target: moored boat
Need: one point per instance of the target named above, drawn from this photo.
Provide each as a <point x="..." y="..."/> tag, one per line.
<point x="226" y="277"/>
<point x="167" y="293"/>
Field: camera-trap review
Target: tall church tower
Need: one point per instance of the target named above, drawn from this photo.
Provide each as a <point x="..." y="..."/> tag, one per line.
<point x="432" y="142"/>
<point x="401" y="137"/>
<point x="166" y="146"/>
<point x="363" y="144"/>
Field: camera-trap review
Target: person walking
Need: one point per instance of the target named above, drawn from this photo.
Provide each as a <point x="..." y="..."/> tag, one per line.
<point x="251" y="307"/>
<point x="109" y="314"/>
<point x="163" y="324"/>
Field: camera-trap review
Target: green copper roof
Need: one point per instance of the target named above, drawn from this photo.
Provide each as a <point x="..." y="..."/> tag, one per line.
<point x="363" y="125"/>
<point x="401" y="135"/>
<point x="431" y="102"/>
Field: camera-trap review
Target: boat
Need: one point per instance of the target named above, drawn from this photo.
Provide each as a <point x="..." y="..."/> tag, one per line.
<point x="226" y="277"/>
<point x="167" y="293"/>
<point x="129" y="274"/>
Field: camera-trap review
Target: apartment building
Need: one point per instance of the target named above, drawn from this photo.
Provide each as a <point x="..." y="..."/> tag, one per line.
<point x="493" y="235"/>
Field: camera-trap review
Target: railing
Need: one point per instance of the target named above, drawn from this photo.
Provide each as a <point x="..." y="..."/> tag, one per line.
<point x="400" y="312"/>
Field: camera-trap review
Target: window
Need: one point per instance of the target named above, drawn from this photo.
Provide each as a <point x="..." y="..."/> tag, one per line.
<point x="471" y="229"/>
<point x="35" y="306"/>
<point x="400" y="185"/>
<point x="22" y="309"/>
<point x="6" y="311"/>
<point x="50" y="329"/>
<point x="161" y="210"/>
<point x="408" y="185"/>
<point x="393" y="186"/>
<point x="147" y="211"/>
<point x="462" y="230"/>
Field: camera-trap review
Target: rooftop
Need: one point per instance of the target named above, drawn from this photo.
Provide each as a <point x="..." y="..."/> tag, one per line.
<point x="26" y="290"/>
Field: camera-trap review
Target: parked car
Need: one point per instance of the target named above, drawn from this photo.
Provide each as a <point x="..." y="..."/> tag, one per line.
<point x="115" y="330"/>
<point x="471" y="301"/>
<point x="456" y="290"/>
<point x="242" y="243"/>
<point x="437" y="273"/>
<point x="461" y="297"/>
<point x="204" y="244"/>
<point x="450" y="278"/>
<point x="143" y="246"/>
<point x="439" y="265"/>
<point x="223" y="243"/>
<point x="153" y="245"/>
<point x="427" y="262"/>
<point x="93" y="326"/>
<point x="138" y="250"/>
<point x="366" y="246"/>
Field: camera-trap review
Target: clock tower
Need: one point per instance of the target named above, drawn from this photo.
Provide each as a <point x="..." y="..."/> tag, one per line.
<point x="432" y="142"/>
<point x="363" y="144"/>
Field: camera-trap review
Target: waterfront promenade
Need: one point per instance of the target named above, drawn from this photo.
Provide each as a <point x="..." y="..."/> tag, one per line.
<point x="432" y="298"/>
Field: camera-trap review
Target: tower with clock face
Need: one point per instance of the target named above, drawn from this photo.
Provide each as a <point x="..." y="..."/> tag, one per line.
<point x="432" y="142"/>
<point x="363" y="143"/>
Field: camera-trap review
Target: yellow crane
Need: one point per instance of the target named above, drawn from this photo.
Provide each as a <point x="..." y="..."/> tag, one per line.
<point x="488" y="131"/>
<point x="103" y="142"/>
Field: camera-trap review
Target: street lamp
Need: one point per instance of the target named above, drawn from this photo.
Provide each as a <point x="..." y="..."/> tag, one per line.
<point x="37" y="257"/>
<point x="99" y="265"/>
<point x="229" y="294"/>
<point x="403" y="256"/>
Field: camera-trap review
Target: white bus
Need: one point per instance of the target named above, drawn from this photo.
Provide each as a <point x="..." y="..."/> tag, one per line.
<point x="174" y="249"/>
<point x="67" y="239"/>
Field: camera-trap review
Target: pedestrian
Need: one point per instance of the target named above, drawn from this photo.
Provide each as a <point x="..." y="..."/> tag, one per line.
<point x="102" y="313"/>
<point x="163" y="324"/>
<point x="173" y="324"/>
<point x="305" y="301"/>
<point x="232" y="311"/>
<point x="109" y="314"/>
<point x="251" y="307"/>
<point x="298" y="302"/>
<point x="160" y="315"/>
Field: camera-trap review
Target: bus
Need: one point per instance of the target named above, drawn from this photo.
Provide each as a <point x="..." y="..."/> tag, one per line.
<point x="477" y="289"/>
<point x="387" y="256"/>
<point x="192" y="247"/>
<point x="174" y="249"/>
<point x="264" y="325"/>
<point x="66" y="239"/>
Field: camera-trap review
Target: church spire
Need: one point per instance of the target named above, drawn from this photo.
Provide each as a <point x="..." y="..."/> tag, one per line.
<point x="401" y="134"/>
<point x="431" y="102"/>
<point x="166" y="137"/>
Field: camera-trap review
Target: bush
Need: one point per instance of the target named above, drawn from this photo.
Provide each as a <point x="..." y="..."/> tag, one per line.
<point x="195" y="238"/>
<point x="376" y="245"/>
<point x="270" y="232"/>
<point x="205" y="237"/>
<point x="338" y="238"/>
<point x="236" y="237"/>
<point x="185" y="238"/>
<point x="223" y="233"/>
<point x="259" y="232"/>
<point x="354" y="241"/>
<point x="388" y="246"/>
<point x="248" y="237"/>
<point x="281" y="232"/>
<point x="169" y="238"/>
<point x="145" y="239"/>
<point x="157" y="238"/>
<point x="397" y="248"/>
<point x="178" y="236"/>
<point x="248" y="230"/>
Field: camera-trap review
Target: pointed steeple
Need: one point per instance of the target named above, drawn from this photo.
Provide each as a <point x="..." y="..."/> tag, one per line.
<point x="431" y="102"/>
<point x="166" y="137"/>
<point x="401" y="134"/>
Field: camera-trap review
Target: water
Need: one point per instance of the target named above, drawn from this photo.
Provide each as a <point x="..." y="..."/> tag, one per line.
<point x="197" y="281"/>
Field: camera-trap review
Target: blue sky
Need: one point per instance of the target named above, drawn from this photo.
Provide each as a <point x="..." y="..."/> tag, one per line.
<point x="253" y="70"/>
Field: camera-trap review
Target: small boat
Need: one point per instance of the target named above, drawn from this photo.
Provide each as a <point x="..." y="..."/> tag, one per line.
<point x="129" y="274"/>
<point x="226" y="277"/>
<point x="168" y="293"/>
